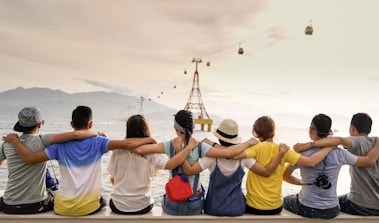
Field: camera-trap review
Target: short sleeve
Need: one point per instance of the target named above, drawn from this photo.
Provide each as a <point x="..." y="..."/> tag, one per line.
<point x="205" y="162"/>
<point x="350" y="158"/>
<point x="252" y="150"/>
<point x="52" y="151"/>
<point x="45" y="139"/>
<point x="205" y="147"/>
<point x="160" y="160"/>
<point x="248" y="162"/>
<point x="2" y="154"/>
<point x="292" y="157"/>
<point x="166" y="145"/>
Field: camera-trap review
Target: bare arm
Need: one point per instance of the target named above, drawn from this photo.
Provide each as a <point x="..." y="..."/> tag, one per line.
<point x="129" y="143"/>
<point x="325" y="142"/>
<point x="288" y="177"/>
<point x="189" y="170"/>
<point x="240" y="156"/>
<point x="28" y="156"/>
<point x="313" y="160"/>
<point x="149" y="148"/>
<point x="267" y="170"/>
<point x="231" y="151"/>
<point x="67" y="136"/>
<point x="180" y="157"/>
<point x="370" y="159"/>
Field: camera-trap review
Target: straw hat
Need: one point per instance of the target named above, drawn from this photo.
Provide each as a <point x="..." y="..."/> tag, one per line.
<point x="227" y="131"/>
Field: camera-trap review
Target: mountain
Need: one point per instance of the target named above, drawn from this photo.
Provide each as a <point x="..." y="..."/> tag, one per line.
<point x="114" y="106"/>
<point x="58" y="104"/>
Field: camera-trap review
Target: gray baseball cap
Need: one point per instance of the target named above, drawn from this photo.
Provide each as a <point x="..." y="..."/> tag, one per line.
<point x="28" y="119"/>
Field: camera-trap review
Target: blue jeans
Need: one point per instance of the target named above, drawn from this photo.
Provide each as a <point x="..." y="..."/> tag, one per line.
<point x="292" y="204"/>
<point x="193" y="206"/>
<point x="351" y="208"/>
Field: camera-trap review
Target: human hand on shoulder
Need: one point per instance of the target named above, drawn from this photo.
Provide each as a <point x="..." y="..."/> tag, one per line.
<point x="11" y="137"/>
<point x="152" y="140"/>
<point x="283" y="148"/>
<point x="208" y="141"/>
<point x="252" y="141"/>
<point x="101" y="134"/>
<point x="298" y="147"/>
<point x="193" y="143"/>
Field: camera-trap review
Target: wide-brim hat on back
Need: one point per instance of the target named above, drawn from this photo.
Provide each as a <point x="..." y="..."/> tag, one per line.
<point x="227" y="131"/>
<point x="28" y="119"/>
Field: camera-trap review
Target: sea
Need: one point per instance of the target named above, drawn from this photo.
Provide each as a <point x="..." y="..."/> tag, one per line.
<point x="163" y="130"/>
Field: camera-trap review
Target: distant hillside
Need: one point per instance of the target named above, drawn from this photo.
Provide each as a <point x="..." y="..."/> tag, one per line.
<point x="114" y="106"/>
<point x="56" y="103"/>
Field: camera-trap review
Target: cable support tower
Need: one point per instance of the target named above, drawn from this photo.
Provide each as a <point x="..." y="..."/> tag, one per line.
<point x="195" y="102"/>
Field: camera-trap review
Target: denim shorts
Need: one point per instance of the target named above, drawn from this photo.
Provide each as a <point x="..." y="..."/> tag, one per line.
<point x="192" y="206"/>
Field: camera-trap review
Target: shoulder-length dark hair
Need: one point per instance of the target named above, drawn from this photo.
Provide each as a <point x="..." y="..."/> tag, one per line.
<point x="137" y="127"/>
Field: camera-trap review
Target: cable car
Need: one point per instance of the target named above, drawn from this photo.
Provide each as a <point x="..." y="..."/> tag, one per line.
<point x="309" y="29"/>
<point x="240" y="50"/>
<point x="208" y="63"/>
<point x="185" y="71"/>
<point x="174" y="86"/>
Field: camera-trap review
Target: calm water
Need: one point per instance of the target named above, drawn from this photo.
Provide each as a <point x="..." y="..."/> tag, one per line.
<point x="162" y="131"/>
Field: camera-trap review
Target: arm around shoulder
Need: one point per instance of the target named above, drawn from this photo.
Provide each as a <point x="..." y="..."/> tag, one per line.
<point x="129" y="143"/>
<point x="28" y="156"/>
<point x="67" y="136"/>
<point x="313" y="160"/>
<point x="371" y="158"/>
<point x="231" y="151"/>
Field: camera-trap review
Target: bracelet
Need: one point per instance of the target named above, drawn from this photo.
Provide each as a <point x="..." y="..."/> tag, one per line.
<point x="214" y="144"/>
<point x="312" y="144"/>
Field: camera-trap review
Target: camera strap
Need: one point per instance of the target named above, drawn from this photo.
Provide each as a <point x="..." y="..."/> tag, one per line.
<point x="323" y="170"/>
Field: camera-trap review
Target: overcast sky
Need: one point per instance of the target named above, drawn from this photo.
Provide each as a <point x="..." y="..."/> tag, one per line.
<point x="141" y="48"/>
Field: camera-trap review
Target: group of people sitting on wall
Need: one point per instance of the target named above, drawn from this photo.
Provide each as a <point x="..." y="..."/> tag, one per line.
<point x="135" y="160"/>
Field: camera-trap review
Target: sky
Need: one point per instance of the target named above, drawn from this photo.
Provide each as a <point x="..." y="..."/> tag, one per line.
<point x="141" y="48"/>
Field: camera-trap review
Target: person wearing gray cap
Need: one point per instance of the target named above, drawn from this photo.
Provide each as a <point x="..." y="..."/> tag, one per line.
<point x="26" y="192"/>
<point x="79" y="165"/>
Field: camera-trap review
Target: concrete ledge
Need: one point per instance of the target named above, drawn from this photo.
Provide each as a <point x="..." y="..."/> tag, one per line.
<point x="158" y="216"/>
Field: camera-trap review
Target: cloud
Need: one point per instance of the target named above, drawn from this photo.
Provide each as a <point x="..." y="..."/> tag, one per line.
<point x="108" y="87"/>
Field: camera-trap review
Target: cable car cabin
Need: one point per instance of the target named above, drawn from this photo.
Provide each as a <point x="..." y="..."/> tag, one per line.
<point x="308" y="30"/>
<point x="185" y="71"/>
<point x="208" y="63"/>
<point x="240" y="51"/>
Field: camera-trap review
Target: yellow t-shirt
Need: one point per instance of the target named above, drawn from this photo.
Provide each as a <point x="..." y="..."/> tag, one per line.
<point x="265" y="193"/>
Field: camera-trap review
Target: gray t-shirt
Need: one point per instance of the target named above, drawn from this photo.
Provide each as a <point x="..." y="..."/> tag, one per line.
<point x="26" y="183"/>
<point x="314" y="196"/>
<point x="364" y="187"/>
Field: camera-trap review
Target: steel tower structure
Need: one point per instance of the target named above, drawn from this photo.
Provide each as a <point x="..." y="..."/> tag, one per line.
<point x="195" y="102"/>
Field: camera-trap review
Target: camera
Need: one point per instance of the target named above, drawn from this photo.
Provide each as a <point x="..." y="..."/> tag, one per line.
<point x="322" y="181"/>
